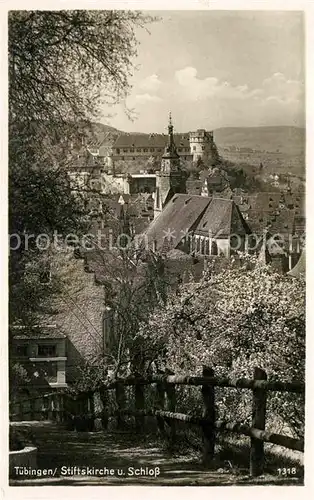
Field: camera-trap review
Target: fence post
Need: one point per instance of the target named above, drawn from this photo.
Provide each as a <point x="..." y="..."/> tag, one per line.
<point x="160" y="405"/>
<point x="49" y="407"/>
<point x="103" y="393"/>
<point x="32" y="409"/>
<point x="120" y="399"/>
<point x="139" y="404"/>
<point x="258" y="422"/>
<point x="208" y="393"/>
<point x="171" y="406"/>
<point x="61" y="396"/>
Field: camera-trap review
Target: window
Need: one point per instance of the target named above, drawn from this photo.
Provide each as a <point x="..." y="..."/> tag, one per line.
<point x="132" y="150"/>
<point x="151" y="150"/>
<point x="118" y="151"/>
<point x="47" y="370"/>
<point x="21" y="350"/>
<point x="133" y="158"/>
<point x="47" y="350"/>
<point x="125" y="150"/>
<point x="145" y="150"/>
<point x="194" y="148"/>
<point x="180" y="149"/>
<point x="139" y="150"/>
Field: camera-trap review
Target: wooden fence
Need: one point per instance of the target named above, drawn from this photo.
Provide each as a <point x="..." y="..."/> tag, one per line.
<point x="165" y="409"/>
<point x="61" y="406"/>
<point x="57" y="406"/>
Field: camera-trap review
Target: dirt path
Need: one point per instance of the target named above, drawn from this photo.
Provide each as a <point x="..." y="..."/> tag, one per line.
<point x="121" y="459"/>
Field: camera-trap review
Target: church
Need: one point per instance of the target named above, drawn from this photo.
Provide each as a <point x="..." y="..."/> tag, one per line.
<point x="196" y="224"/>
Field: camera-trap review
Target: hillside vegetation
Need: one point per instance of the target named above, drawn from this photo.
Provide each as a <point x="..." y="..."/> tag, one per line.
<point x="286" y="139"/>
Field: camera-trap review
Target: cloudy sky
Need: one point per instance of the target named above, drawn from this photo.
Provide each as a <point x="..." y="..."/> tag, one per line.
<point x="218" y="69"/>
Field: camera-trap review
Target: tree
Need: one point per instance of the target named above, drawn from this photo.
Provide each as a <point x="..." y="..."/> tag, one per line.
<point x="235" y="320"/>
<point x="134" y="284"/>
<point x="62" y="66"/>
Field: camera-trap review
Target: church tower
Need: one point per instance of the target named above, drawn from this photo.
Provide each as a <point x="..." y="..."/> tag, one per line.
<point x="170" y="179"/>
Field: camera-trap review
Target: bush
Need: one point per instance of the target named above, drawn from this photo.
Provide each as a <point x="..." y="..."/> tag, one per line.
<point x="19" y="438"/>
<point x="233" y="321"/>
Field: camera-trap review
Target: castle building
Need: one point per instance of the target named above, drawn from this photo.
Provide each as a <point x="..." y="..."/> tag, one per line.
<point x="145" y="151"/>
<point x="203" y="147"/>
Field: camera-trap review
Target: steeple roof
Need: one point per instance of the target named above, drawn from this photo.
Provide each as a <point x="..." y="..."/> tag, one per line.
<point x="170" y="149"/>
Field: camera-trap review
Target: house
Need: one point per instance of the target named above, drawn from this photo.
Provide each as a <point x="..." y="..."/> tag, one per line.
<point x="42" y="352"/>
<point x="57" y="353"/>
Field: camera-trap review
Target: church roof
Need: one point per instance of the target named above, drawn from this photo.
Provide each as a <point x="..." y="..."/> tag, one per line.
<point x="222" y="218"/>
<point x="177" y="218"/>
<point x="200" y="214"/>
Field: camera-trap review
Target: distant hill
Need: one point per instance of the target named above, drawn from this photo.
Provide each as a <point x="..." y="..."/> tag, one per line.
<point x="281" y="149"/>
<point x="284" y="139"/>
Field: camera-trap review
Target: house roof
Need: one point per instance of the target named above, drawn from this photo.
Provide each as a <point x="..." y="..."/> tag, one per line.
<point x="298" y="270"/>
<point x="178" y="217"/>
<point x="40" y="332"/>
<point x="150" y="140"/>
<point x="222" y="218"/>
<point x="263" y="254"/>
<point x="280" y="212"/>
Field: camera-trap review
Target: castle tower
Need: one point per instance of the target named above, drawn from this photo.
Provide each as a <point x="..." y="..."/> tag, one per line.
<point x="171" y="179"/>
<point x="203" y="147"/>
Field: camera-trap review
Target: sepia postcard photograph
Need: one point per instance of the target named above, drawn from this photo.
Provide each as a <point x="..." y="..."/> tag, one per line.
<point x="156" y="261"/>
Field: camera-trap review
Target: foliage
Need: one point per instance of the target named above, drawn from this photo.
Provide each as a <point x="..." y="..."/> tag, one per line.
<point x="20" y="438"/>
<point x="62" y="63"/>
<point x="134" y="283"/>
<point x="62" y="66"/>
<point x="233" y="321"/>
<point x="193" y="168"/>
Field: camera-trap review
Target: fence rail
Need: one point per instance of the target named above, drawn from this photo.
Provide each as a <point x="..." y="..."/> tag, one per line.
<point x="60" y="406"/>
<point x="165" y="410"/>
<point x="240" y="383"/>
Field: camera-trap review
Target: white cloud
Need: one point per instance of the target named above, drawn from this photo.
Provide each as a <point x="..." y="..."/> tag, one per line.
<point x="195" y="88"/>
<point x="143" y="98"/>
<point x="277" y="87"/>
<point x="277" y="100"/>
<point x="151" y="83"/>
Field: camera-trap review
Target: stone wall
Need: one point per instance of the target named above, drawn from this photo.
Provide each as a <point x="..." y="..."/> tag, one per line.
<point x="78" y="312"/>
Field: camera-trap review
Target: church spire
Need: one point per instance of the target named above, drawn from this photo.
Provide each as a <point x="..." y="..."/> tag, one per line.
<point x="170" y="149"/>
<point x="170" y="130"/>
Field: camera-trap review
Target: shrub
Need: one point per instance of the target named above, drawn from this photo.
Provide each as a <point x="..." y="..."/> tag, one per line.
<point x="233" y="321"/>
<point x="19" y="438"/>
